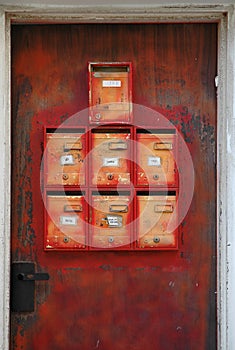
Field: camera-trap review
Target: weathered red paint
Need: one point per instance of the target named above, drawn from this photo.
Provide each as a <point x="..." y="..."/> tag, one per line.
<point x="116" y="300"/>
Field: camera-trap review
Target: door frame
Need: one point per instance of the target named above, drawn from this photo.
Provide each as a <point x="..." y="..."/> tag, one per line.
<point x="225" y="17"/>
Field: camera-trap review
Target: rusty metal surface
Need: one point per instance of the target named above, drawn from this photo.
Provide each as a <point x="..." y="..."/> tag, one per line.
<point x="116" y="300"/>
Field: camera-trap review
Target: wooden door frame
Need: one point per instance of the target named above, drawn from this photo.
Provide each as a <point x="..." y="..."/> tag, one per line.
<point x="225" y="17"/>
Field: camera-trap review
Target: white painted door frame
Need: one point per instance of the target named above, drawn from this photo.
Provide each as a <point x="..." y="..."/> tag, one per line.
<point x="225" y="16"/>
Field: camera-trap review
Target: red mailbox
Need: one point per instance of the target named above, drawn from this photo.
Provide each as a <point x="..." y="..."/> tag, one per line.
<point x="156" y="158"/>
<point x="111" y="218"/>
<point x="156" y="214"/>
<point x="64" y="156"/>
<point x="110" y="158"/>
<point x="110" y="92"/>
<point x="65" y="221"/>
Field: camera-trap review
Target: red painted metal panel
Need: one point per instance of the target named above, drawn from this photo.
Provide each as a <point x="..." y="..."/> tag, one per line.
<point x="116" y="299"/>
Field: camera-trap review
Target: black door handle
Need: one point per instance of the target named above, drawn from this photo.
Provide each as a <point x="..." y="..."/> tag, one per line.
<point x="23" y="277"/>
<point x="33" y="276"/>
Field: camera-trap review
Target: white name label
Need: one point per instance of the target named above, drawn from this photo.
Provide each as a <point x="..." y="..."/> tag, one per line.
<point x="68" y="220"/>
<point x="111" y="83"/>
<point x="67" y="160"/>
<point x="154" y="161"/>
<point x="114" y="221"/>
<point x="111" y="162"/>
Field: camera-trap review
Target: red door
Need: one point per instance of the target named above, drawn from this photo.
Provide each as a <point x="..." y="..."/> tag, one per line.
<point x="132" y="298"/>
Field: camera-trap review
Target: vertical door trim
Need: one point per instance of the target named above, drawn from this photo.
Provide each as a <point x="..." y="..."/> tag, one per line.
<point x="224" y="15"/>
<point x="5" y="179"/>
<point x="226" y="181"/>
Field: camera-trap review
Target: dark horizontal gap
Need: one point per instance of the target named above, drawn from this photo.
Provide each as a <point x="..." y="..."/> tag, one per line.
<point x="109" y="69"/>
<point x="110" y="131"/>
<point x="65" y="193"/>
<point x="156" y="193"/>
<point x="111" y="193"/>
<point x="155" y="131"/>
<point x="65" y="130"/>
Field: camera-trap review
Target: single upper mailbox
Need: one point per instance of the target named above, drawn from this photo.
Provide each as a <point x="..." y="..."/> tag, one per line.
<point x="110" y="92"/>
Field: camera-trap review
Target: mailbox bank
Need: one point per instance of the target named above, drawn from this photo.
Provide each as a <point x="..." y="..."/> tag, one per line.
<point x="104" y="158"/>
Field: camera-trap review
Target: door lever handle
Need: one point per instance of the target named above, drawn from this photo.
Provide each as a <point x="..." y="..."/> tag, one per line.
<point x="33" y="276"/>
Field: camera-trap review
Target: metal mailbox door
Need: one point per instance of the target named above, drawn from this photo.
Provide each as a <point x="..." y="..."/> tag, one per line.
<point x="117" y="299"/>
<point x="155" y="216"/>
<point x="65" y="226"/>
<point x="110" y="158"/>
<point x="64" y="158"/>
<point x="111" y="218"/>
<point x="156" y="157"/>
<point x="110" y="92"/>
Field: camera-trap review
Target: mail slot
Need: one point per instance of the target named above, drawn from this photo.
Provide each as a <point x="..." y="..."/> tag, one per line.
<point x="156" y="215"/>
<point x="110" y="92"/>
<point x="111" y="217"/>
<point x="110" y="157"/>
<point x="65" y="153"/>
<point x="65" y="221"/>
<point x="156" y="158"/>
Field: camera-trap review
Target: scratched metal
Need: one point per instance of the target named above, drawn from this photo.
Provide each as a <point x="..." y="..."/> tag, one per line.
<point x="116" y="300"/>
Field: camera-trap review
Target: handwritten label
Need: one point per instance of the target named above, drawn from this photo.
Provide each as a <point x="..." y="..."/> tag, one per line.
<point x="111" y="83"/>
<point x="114" y="220"/>
<point x="154" y="161"/>
<point x="68" y="220"/>
<point x="111" y="162"/>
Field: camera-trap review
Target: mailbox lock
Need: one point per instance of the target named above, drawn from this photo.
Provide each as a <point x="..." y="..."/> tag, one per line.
<point x="97" y="116"/>
<point x="111" y="239"/>
<point x="110" y="176"/>
<point x="156" y="177"/>
<point x="156" y="239"/>
<point x="65" y="177"/>
<point x="66" y="239"/>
